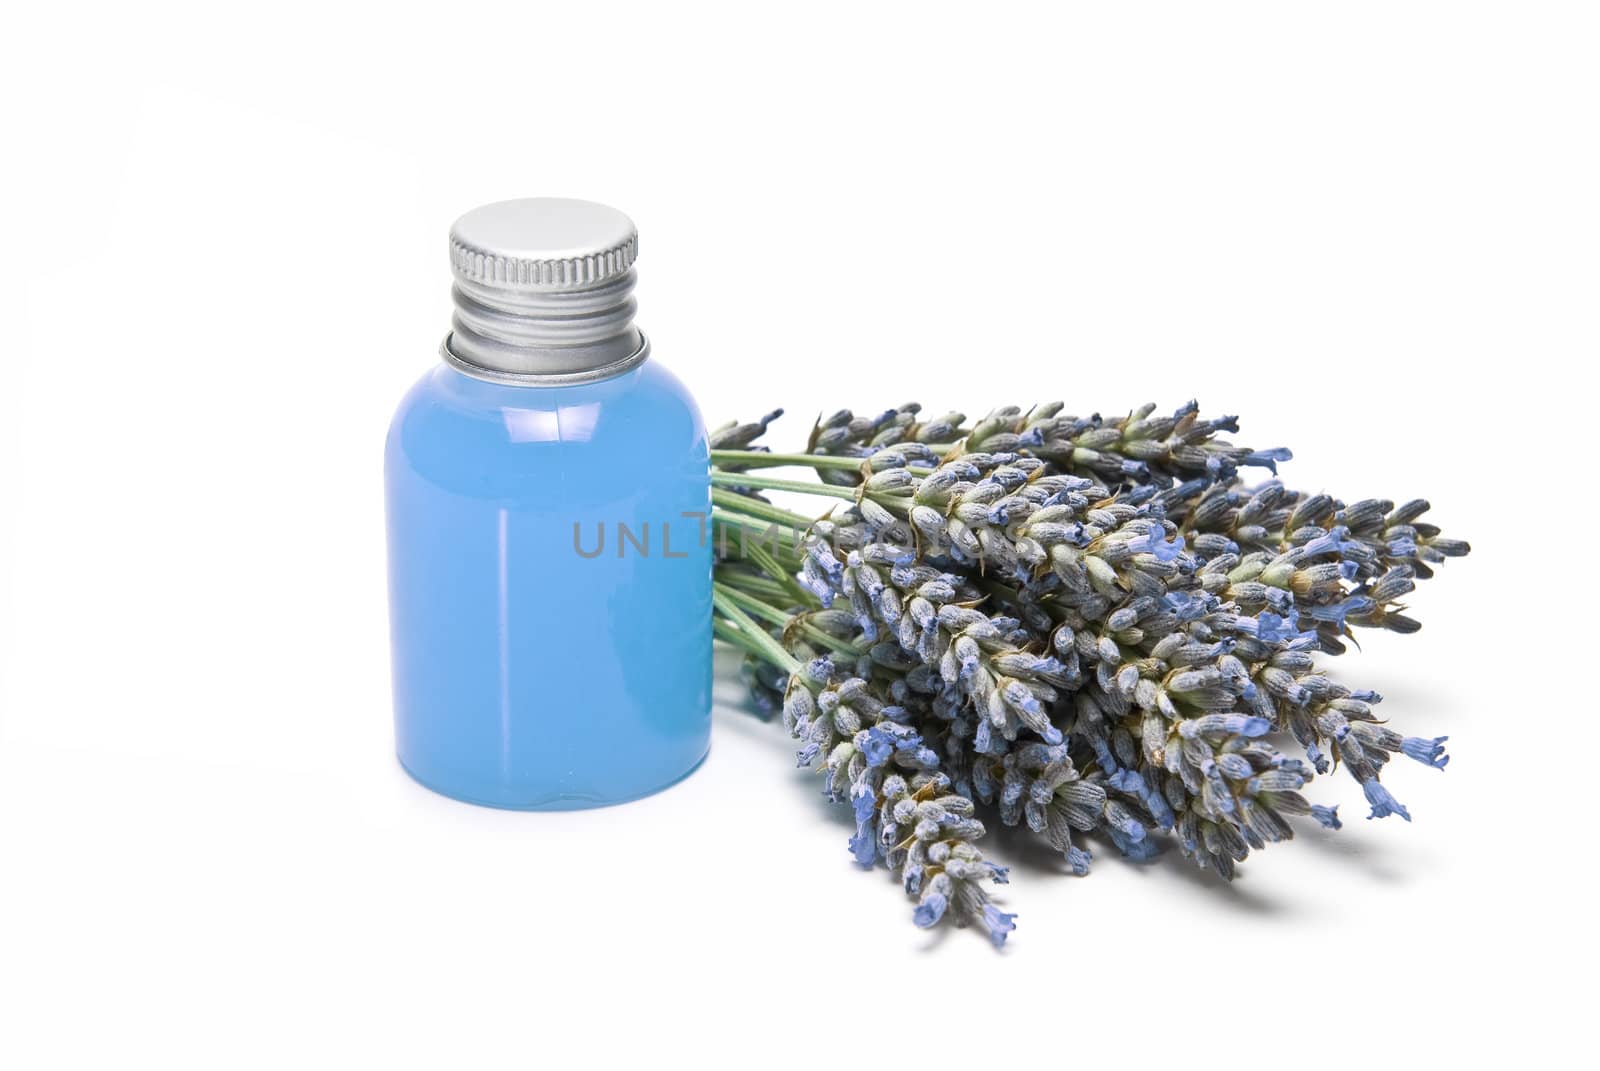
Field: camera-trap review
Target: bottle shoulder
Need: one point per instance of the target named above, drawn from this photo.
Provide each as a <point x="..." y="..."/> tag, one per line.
<point x="641" y="419"/>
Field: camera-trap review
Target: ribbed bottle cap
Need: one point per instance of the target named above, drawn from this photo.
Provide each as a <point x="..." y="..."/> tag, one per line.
<point x="544" y="292"/>
<point x="542" y="243"/>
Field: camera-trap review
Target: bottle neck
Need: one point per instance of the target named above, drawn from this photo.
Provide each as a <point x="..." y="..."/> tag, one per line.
<point x="509" y="334"/>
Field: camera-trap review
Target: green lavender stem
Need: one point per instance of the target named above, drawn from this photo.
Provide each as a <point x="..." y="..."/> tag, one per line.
<point x="752" y="632"/>
<point x="760" y="459"/>
<point x="736" y="503"/>
<point x="768" y="483"/>
<point x="784" y="619"/>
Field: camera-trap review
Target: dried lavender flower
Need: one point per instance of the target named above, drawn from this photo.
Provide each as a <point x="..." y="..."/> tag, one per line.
<point x="1087" y="627"/>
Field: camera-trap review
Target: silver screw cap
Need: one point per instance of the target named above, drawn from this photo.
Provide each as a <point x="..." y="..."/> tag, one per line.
<point x="544" y="292"/>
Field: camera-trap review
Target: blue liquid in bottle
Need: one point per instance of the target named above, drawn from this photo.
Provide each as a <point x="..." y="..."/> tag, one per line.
<point x="549" y="550"/>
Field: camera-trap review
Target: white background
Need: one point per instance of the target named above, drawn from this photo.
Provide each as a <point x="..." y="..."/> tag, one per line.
<point x="1370" y="229"/>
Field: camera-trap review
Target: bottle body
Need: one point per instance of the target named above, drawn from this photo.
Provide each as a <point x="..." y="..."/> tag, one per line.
<point x="550" y="587"/>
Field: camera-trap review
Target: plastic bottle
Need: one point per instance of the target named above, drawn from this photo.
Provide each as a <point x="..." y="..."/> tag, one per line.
<point x="548" y="514"/>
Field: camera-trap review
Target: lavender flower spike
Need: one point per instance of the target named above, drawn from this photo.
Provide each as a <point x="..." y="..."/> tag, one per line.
<point x="1327" y="816"/>
<point x="999" y="923"/>
<point x="1426" y="751"/>
<point x="930" y="911"/>
<point x="1383" y="804"/>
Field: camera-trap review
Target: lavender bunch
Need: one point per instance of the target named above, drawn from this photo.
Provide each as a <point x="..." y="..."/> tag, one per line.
<point x="1083" y="626"/>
